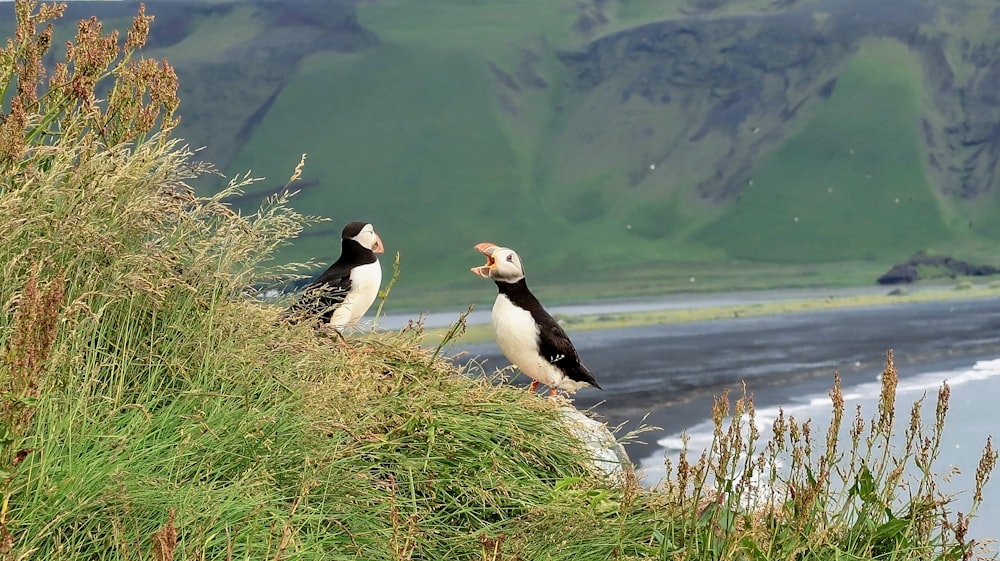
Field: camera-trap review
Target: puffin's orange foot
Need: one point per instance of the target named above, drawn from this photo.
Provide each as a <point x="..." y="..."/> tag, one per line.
<point x="349" y="349"/>
<point x="552" y="393"/>
<point x="342" y="341"/>
<point x="534" y="386"/>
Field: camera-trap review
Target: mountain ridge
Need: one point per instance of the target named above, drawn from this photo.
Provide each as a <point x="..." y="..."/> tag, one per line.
<point x="604" y="135"/>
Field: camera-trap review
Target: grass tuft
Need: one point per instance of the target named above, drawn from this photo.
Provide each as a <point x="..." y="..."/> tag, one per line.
<point x="859" y="491"/>
<point x="153" y="407"/>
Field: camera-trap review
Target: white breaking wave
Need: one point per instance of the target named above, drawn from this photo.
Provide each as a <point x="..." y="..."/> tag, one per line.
<point x="817" y="407"/>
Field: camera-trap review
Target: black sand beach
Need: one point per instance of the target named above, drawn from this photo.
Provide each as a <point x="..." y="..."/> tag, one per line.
<point x="672" y="371"/>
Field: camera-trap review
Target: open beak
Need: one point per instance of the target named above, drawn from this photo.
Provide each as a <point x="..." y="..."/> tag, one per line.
<point x="487" y="249"/>
<point x="377" y="247"/>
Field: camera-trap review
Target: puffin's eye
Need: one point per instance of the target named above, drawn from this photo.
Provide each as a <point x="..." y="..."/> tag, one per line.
<point x="510" y="258"/>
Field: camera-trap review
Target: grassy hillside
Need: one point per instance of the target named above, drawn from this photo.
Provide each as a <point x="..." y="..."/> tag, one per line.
<point x="622" y="147"/>
<point x="850" y="185"/>
<point x="380" y="158"/>
<point x="151" y="407"/>
<point x="420" y="147"/>
<point x="462" y="125"/>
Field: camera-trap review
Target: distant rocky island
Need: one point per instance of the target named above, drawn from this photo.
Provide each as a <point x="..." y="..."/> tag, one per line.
<point x="923" y="266"/>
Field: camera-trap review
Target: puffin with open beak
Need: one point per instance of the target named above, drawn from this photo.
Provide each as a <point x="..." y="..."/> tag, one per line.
<point x="527" y="335"/>
<point x="345" y="291"/>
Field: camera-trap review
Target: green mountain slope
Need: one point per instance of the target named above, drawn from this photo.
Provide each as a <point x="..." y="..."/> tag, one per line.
<point x="410" y="171"/>
<point x="651" y="141"/>
<point x="851" y="184"/>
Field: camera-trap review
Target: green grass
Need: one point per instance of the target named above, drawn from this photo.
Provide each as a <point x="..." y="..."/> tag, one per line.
<point x="477" y="26"/>
<point x="151" y="407"/>
<point x="213" y="34"/>
<point x="182" y="407"/>
<point x="575" y="283"/>
<point x="411" y="133"/>
<point x="964" y="289"/>
<point x="402" y="166"/>
<point x="416" y="133"/>
<point x="851" y="184"/>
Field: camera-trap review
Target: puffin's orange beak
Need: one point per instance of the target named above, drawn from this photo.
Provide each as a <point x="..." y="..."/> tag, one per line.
<point x="377" y="247"/>
<point x="487" y="249"/>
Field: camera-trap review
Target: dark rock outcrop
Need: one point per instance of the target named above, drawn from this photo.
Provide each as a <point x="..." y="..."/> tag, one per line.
<point x="922" y="266"/>
<point x="734" y="72"/>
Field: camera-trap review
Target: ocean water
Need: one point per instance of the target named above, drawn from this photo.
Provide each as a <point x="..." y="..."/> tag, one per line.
<point x="667" y="375"/>
<point x="972" y="417"/>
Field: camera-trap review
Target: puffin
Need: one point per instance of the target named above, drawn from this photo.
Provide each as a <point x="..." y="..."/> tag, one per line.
<point x="527" y="334"/>
<point x="344" y="292"/>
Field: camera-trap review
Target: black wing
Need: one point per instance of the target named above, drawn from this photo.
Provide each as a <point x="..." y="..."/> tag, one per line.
<point x="322" y="296"/>
<point x="555" y="346"/>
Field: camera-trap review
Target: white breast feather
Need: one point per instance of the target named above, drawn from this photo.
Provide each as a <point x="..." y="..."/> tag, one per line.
<point x="365" y="283"/>
<point x="517" y="336"/>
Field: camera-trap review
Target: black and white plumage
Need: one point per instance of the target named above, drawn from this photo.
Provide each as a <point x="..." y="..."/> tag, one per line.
<point x="527" y="335"/>
<point x="345" y="291"/>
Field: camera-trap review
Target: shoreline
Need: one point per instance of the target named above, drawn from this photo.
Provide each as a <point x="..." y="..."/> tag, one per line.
<point x="689" y="307"/>
<point x="664" y="368"/>
<point x="972" y="380"/>
<point x="698" y="408"/>
<point x="668" y="373"/>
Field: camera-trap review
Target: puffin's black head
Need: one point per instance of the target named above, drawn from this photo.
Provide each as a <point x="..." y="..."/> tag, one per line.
<point x="502" y="263"/>
<point x="364" y="234"/>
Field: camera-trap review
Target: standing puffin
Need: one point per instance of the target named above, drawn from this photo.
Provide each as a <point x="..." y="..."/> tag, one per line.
<point x="345" y="291"/>
<point x="528" y="336"/>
